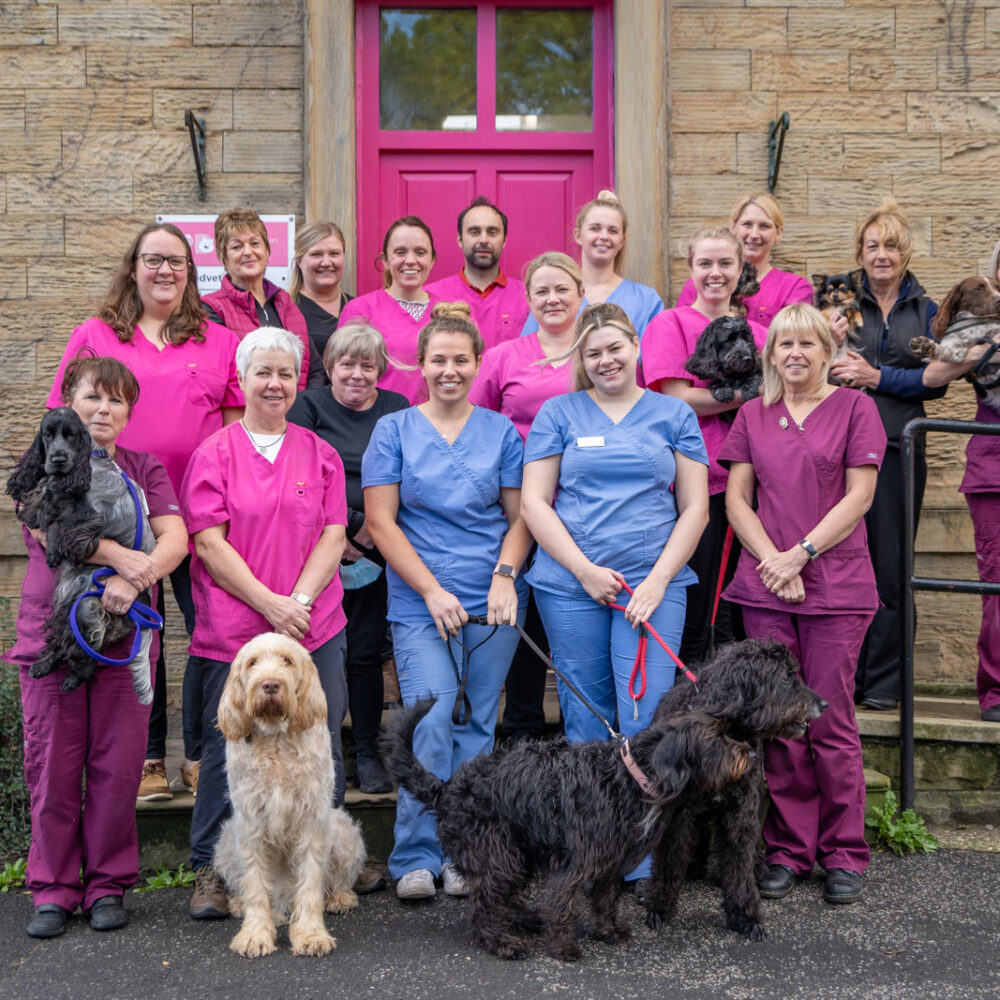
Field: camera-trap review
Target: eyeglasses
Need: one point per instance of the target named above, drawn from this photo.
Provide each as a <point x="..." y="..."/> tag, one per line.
<point x="154" y="261"/>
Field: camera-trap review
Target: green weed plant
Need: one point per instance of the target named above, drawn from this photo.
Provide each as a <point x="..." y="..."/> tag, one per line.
<point x="904" y="833"/>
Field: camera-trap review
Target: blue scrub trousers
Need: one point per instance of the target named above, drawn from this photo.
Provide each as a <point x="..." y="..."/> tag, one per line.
<point x="595" y="646"/>
<point x="425" y="668"/>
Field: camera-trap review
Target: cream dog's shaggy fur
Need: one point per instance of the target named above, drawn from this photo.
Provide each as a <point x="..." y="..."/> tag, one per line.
<point x="285" y="853"/>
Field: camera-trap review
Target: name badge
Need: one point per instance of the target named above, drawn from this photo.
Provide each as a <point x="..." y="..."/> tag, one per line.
<point x="590" y="442"/>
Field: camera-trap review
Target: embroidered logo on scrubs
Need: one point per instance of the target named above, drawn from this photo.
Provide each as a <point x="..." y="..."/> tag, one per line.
<point x="300" y="489"/>
<point x="590" y="442"/>
<point x="872" y="454"/>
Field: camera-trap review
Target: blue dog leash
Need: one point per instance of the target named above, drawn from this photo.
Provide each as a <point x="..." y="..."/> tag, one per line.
<point x="141" y="615"/>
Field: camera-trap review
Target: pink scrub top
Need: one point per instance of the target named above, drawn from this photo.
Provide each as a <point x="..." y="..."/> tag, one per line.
<point x="499" y="313"/>
<point x="399" y="330"/>
<point x="982" y="457"/>
<point x="40" y="579"/>
<point x="777" y="290"/>
<point x="670" y="340"/>
<point x="801" y="475"/>
<point x="275" y="514"/>
<point x="182" y="389"/>
<point x="511" y="383"/>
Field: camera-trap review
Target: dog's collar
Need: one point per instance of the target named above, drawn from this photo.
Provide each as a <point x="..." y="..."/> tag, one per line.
<point x="100" y="453"/>
<point x="633" y="768"/>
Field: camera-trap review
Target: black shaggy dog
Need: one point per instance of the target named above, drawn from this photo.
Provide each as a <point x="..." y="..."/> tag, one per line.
<point x="566" y="814"/>
<point x="753" y="689"/>
<point x="727" y="357"/>
<point x="76" y="499"/>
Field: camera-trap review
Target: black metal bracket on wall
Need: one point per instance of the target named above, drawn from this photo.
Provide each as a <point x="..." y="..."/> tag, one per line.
<point x="775" y="145"/>
<point x="196" y="129"/>
<point x="911" y="441"/>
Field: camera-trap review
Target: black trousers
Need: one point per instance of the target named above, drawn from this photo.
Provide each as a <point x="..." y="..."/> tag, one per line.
<point x="524" y="690"/>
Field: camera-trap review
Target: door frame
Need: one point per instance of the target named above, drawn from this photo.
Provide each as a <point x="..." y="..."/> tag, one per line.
<point x="641" y="116"/>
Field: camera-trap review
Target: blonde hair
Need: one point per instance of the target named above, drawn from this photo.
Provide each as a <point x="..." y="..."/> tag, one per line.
<point x="766" y="202"/>
<point x="893" y="225"/>
<point x="450" y="317"/>
<point x="553" y="258"/>
<point x="607" y="199"/>
<point x="304" y="240"/>
<point x="595" y="317"/>
<point x="715" y="233"/>
<point x="798" y="317"/>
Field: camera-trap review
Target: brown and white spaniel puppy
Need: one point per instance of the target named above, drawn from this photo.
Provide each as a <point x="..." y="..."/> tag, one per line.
<point x="286" y="854"/>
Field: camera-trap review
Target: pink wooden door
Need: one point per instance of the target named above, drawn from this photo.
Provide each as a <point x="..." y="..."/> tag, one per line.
<point x="502" y="99"/>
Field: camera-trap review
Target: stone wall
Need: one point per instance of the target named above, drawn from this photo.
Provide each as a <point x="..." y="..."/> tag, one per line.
<point x="884" y="98"/>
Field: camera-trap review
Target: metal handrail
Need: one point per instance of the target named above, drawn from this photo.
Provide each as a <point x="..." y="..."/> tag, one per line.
<point x="913" y="434"/>
<point x="775" y="146"/>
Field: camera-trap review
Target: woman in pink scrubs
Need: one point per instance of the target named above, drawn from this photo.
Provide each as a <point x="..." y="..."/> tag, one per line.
<point x="810" y="452"/>
<point x="402" y="306"/>
<point x="514" y="379"/>
<point x="97" y="731"/>
<point x="153" y="322"/>
<point x="265" y="503"/>
<point x="715" y="257"/>
<point x="758" y="222"/>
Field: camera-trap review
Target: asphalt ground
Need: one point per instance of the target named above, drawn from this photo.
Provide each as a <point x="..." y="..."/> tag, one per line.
<point x="927" y="928"/>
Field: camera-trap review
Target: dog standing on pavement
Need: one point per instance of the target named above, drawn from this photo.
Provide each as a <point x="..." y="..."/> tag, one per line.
<point x="286" y="853"/>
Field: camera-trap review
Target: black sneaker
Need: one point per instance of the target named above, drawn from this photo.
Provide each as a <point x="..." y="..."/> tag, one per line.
<point x="371" y="777"/>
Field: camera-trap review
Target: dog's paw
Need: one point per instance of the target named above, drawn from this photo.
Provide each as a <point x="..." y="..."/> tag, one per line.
<point x="254" y="942"/>
<point x="236" y="907"/>
<point x="40" y="669"/>
<point x="613" y="935"/>
<point x="511" y="950"/>
<point x="311" y="940"/>
<point x="751" y="929"/>
<point x="341" y="901"/>
<point x="723" y="393"/>
<point x="71" y="683"/>
<point x="655" y="919"/>
<point x="565" y="951"/>
<point x="923" y="347"/>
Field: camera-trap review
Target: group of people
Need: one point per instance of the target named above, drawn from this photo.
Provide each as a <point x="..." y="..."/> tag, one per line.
<point x="364" y="474"/>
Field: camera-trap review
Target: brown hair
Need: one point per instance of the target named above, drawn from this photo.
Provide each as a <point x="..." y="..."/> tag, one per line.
<point x="595" y="317"/>
<point x="892" y="224"/>
<point x="407" y="220"/>
<point x="104" y="373"/>
<point x="304" y="240"/>
<point x="233" y="221"/>
<point x="606" y="199"/>
<point x="122" y="308"/>
<point x="450" y="317"/>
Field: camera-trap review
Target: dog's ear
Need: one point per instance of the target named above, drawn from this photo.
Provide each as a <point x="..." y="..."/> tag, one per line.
<point x="234" y="721"/>
<point x="29" y="471"/>
<point x="78" y="478"/>
<point x="671" y="758"/>
<point x="310" y="701"/>
<point x="946" y="312"/>
<point x="818" y="281"/>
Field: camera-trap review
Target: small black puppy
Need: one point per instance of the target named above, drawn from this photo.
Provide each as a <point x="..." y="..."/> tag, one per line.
<point x="727" y="357"/>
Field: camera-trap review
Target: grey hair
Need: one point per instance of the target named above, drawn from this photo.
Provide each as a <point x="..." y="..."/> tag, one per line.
<point x="268" y="338"/>
<point x="357" y="338"/>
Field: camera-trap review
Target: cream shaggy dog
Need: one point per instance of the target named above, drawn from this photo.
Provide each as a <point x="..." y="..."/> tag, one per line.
<point x="286" y="854"/>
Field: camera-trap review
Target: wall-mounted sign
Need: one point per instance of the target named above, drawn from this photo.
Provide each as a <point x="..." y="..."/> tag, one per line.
<point x="200" y="233"/>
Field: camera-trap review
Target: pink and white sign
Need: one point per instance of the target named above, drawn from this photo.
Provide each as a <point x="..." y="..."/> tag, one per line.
<point x="200" y="233"/>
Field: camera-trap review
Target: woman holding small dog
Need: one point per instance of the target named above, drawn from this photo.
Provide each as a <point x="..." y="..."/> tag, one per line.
<point x="99" y="730"/>
<point x="895" y="309"/>
<point x="615" y="491"/>
<point x="715" y="258"/>
<point x="805" y="578"/>
<point x="758" y="223"/>
<point x="265" y="503"/>
<point x="442" y="496"/>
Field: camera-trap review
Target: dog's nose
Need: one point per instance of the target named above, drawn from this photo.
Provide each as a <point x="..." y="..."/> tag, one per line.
<point x="270" y="687"/>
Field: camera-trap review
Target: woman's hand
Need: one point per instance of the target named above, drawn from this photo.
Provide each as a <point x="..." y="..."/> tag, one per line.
<point x="447" y="612"/>
<point x="133" y="565"/>
<point x="363" y="537"/>
<point x="118" y="595"/>
<point x="793" y="592"/>
<point x="351" y="554"/>
<point x="837" y="322"/>
<point x="778" y="570"/>
<point x="601" y="582"/>
<point x="287" y="616"/>
<point x="501" y="601"/>
<point x="645" y="600"/>
<point x="855" y="372"/>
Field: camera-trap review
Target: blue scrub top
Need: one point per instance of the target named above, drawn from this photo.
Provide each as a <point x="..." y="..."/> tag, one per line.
<point x="616" y="482"/>
<point x="449" y="501"/>
<point x="640" y="302"/>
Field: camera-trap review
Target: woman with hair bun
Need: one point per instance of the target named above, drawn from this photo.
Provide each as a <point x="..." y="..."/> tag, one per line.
<point x="442" y="496"/>
<point x="600" y="231"/>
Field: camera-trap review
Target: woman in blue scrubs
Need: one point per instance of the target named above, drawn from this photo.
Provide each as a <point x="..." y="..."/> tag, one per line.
<point x="442" y="496"/>
<point x="628" y="472"/>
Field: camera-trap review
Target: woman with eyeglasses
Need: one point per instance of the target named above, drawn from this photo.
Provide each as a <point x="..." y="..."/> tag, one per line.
<point x="153" y="322"/>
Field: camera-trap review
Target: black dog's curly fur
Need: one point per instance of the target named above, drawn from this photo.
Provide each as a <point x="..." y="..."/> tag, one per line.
<point x="76" y="499"/>
<point x="754" y="689"/>
<point x="564" y="813"/>
<point x="727" y="357"/>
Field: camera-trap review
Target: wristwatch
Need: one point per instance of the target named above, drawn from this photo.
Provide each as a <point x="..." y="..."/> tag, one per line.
<point x="810" y="548"/>
<point x="304" y="599"/>
<point x="504" y="569"/>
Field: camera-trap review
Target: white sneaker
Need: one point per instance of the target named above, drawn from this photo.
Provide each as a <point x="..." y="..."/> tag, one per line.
<point x="454" y="884"/>
<point x="418" y="884"/>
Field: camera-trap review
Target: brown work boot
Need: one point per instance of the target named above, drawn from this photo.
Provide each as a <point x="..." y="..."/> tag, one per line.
<point x="369" y="880"/>
<point x="209" y="901"/>
<point x="154" y="787"/>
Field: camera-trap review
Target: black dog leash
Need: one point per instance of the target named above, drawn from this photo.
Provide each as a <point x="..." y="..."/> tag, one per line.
<point x="461" y="713"/>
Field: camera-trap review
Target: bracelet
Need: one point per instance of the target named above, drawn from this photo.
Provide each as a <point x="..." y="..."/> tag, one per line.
<point x="810" y="548"/>
<point x="304" y="599"/>
<point x="504" y="569"/>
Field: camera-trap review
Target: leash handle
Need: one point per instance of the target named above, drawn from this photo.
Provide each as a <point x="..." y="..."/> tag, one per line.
<point x="461" y="712"/>
<point x="727" y="547"/>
